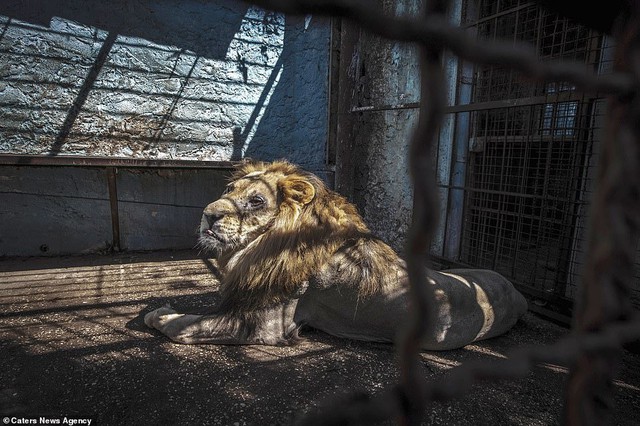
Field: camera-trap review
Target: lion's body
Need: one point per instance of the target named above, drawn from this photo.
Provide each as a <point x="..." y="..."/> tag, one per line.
<point x="293" y="253"/>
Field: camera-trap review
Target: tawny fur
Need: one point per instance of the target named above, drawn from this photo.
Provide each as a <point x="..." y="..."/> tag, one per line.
<point x="300" y="239"/>
<point x="293" y="253"/>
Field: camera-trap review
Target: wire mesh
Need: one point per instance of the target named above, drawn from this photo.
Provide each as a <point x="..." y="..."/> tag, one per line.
<point x="524" y="193"/>
<point x="548" y="136"/>
<point x="531" y="167"/>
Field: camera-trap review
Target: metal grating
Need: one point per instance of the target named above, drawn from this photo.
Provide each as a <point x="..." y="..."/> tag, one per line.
<point x="525" y="178"/>
<point x="603" y="318"/>
<point x="532" y="150"/>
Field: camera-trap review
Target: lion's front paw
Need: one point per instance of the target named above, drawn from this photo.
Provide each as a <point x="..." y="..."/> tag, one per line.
<point x="152" y="319"/>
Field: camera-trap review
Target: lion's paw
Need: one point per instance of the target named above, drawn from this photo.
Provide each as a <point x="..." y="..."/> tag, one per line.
<point x="152" y="319"/>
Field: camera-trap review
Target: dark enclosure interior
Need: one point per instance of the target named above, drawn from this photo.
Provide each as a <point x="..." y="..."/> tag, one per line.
<point x="529" y="173"/>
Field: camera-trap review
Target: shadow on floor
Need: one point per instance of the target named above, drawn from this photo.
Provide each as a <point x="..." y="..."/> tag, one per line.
<point x="73" y="343"/>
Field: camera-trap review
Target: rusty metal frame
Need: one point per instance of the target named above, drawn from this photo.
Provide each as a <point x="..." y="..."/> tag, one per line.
<point x="84" y="161"/>
<point x="605" y="318"/>
<point x="513" y="220"/>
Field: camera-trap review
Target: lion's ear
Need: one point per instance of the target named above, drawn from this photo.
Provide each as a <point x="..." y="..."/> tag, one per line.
<point x="298" y="190"/>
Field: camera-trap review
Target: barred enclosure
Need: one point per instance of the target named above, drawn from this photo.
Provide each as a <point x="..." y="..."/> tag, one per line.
<point x="522" y="183"/>
<point x="523" y="157"/>
<point x="532" y="149"/>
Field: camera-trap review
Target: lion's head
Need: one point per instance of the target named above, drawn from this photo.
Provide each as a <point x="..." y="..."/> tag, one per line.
<point x="273" y="226"/>
<point x="254" y="199"/>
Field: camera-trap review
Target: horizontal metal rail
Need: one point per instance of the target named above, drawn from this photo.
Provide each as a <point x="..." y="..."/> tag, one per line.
<point x="83" y="161"/>
<point x="481" y="106"/>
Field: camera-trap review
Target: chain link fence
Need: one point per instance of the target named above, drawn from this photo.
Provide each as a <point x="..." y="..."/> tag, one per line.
<point x="604" y="317"/>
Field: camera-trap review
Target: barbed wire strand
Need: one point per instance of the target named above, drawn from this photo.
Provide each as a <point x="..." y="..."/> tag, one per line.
<point x="425" y="208"/>
<point x="616" y="213"/>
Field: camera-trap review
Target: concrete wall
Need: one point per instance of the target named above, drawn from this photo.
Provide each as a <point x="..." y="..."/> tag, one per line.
<point x="380" y="87"/>
<point x="43" y="211"/>
<point x="165" y="79"/>
<point x="63" y="210"/>
<point x="161" y="208"/>
<point x="379" y="79"/>
<point x="169" y="79"/>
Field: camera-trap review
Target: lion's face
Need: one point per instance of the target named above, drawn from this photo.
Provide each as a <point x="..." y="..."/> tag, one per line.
<point x="244" y="211"/>
<point x="249" y="207"/>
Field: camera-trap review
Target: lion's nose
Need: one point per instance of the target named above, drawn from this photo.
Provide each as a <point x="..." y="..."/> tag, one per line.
<point x="212" y="217"/>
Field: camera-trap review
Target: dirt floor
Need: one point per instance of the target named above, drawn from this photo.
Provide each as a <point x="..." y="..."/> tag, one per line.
<point x="73" y="343"/>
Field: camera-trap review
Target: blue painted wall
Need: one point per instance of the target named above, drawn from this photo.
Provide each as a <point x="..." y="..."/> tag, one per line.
<point x="163" y="79"/>
<point x="168" y="79"/>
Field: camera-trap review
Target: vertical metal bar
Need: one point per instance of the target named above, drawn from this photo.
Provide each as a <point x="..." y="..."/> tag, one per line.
<point x="333" y="90"/>
<point x="579" y="141"/>
<point x="458" y="171"/>
<point x="455" y="87"/>
<point x="615" y="222"/>
<point x="444" y="157"/>
<point x="113" y="202"/>
<point x="522" y="182"/>
<point x="345" y="168"/>
<point x="502" y="205"/>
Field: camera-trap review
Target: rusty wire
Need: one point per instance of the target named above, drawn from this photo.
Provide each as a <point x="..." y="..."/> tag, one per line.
<point x="604" y="319"/>
<point x="437" y="31"/>
<point x="605" y="293"/>
<point x="423" y="312"/>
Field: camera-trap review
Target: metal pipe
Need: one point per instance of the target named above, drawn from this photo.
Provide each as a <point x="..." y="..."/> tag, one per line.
<point x="113" y="203"/>
<point x="83" y="161"/>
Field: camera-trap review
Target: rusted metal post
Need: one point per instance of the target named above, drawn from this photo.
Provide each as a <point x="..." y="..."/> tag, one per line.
<point x="615" y="220"/>
<point x="113" y="203"/>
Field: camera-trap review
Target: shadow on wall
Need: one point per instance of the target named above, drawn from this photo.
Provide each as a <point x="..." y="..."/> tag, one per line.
<point x="205" y="31"/>
<point x="303" y="88"/>
<point x="169" y="79"/>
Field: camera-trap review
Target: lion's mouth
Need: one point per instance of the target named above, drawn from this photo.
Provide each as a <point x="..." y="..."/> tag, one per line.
<point x="210" y="241"/>
<point x="209" y="233"/>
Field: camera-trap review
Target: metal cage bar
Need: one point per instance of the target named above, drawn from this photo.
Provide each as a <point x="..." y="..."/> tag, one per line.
<point x="530" y="153"/>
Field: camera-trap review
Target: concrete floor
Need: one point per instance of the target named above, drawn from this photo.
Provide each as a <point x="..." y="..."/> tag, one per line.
<point x="72" y="343"/>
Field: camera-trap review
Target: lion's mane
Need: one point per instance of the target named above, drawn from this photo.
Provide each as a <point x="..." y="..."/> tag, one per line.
<point x="301" y="239"/>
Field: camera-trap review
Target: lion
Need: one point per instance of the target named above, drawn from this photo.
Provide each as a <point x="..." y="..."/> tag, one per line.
<point x="293" y="253"/>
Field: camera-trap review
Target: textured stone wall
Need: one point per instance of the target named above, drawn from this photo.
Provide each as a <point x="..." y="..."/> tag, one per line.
<point x="163" y="79"/>
<point x="166" y="79"/>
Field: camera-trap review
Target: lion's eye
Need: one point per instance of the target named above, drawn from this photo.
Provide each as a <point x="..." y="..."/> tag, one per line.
<point x="256" y="201"/>
<point x="228" y="189"/>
